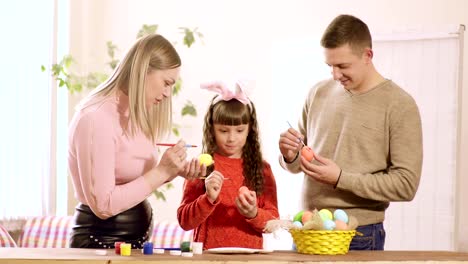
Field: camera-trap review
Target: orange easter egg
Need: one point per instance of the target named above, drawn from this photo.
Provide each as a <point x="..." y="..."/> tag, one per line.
<point x="307" y="153"/>
<point x="306" y="216"/>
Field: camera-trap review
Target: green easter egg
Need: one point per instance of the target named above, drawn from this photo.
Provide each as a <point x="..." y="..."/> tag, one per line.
<point x="298" y="216"/>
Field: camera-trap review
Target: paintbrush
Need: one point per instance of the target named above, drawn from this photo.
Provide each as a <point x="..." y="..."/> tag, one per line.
<point x="298" y="137"/>
<point x="172" y="144"/>
<point x="204" y="177"/>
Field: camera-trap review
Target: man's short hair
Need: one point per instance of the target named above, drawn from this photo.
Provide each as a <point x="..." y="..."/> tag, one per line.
<point x="347" y="29"/>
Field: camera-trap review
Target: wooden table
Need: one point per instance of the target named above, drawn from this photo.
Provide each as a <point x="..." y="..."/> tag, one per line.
<point x="75" y="256"/>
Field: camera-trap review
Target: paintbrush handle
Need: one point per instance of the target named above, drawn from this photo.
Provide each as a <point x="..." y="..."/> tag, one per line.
<point x="300" y="139"/>
<point x="172" y="144"/>
<point x="203" y="178"/>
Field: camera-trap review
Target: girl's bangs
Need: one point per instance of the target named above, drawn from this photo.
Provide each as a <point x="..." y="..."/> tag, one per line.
<point x="231" y="113"/>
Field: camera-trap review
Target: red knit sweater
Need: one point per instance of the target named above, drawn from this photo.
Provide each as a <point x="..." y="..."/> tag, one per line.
<point x="220" y="224"/>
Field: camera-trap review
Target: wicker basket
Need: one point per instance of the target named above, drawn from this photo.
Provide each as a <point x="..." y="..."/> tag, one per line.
<point x="322" y="242"/>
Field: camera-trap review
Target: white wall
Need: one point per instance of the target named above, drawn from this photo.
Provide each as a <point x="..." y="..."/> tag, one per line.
<point x="239" y="37"/>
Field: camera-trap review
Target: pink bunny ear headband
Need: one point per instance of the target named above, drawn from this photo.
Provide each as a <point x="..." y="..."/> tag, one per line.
<point x="227" y="92"/>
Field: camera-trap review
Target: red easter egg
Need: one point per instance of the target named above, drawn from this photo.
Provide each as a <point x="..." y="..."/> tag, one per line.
<point x="307" y="153"/>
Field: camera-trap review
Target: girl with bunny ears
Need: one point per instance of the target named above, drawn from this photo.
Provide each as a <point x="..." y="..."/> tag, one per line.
<point x="231" y="206"/>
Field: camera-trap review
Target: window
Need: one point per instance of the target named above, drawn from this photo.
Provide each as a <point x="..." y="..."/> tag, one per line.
<point x="27" y="137"/>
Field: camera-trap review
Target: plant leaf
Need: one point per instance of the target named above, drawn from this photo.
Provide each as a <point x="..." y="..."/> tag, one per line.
<point x="67" y="61"/>
<point x="113" y="63"/>
<point x="159" y="195"/>
<point x="189" y="35"/>
<point x="111" y="48"/>
<point x="56" y="69"/>
<point x="177" y="87"/>
<point x="175" y="130"/>
<point x="76" y="87"/>
<point x="189" y="109"/>
<point x="147" y="29"/>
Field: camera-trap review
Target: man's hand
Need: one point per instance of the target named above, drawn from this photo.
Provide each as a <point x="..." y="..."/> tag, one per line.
<point x="326" y="171"/>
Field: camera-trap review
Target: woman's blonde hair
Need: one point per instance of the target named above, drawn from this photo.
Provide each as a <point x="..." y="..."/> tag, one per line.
<point x="152" y="52"/>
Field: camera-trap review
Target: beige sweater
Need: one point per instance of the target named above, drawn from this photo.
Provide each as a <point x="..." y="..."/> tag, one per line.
<point x="374" y="137"/>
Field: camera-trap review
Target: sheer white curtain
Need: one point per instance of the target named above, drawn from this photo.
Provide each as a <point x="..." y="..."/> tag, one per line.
<point x="427" y="66"/>
<point x="25" y="91"/>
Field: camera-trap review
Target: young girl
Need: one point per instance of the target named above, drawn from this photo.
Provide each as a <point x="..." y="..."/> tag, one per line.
<point x="223" y="212"/>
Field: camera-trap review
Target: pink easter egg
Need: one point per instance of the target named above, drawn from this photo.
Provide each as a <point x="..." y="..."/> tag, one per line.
<point x="243" y="190"/>
<point x="340" y="225"/>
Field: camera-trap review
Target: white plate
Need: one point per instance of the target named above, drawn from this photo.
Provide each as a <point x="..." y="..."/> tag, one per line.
<point x="237" y="250"/>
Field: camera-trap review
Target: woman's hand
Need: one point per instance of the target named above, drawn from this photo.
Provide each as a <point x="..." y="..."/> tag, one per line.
<point x="193" y="170"/>
<point x="213" y="184"/>
<point x="246" y="202"/>
<point x="171" y="163"/>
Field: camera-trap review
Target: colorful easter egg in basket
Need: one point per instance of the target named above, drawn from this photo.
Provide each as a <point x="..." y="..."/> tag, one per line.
<point x="298" y="216"/>
<point x="339" y="214"/>
<point x="325" y="235"/>
<point x="306" y="216"/>
<point x="326" y="214"/>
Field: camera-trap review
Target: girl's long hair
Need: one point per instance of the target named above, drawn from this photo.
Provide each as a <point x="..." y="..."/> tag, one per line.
<point x="234" y="113"/>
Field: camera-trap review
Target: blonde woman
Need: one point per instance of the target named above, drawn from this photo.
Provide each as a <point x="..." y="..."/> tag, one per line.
<point x="112" y="157"/>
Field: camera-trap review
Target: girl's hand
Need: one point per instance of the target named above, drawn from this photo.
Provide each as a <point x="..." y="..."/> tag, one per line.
<point x="213" y="185"/>
<point x="193" y="170"/>
<point x="246" y="202"/>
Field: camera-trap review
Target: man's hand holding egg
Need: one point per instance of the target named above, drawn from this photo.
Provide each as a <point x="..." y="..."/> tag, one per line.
<point x="322" y="169"/>
<point x="246" y="202"/>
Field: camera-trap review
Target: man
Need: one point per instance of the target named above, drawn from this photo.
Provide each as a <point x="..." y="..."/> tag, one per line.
<point x="366" y="134"/>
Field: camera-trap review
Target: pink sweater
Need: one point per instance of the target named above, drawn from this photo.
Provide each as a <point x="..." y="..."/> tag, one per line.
<point x="105" y="164"/>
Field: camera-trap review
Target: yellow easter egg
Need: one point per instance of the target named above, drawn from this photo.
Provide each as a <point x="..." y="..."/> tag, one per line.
<point x="326" y="214"/>
<point x="205" y="159"/>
